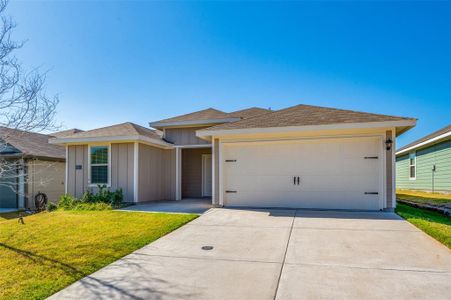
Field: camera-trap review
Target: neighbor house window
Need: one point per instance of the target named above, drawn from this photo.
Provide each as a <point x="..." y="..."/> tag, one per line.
<point x="412" y="166"/>
<point x="99" y="165"/>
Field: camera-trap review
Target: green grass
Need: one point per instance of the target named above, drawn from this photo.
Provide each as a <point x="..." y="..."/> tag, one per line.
<point x="52" y="250"/>
<point x="424" y="197"/>
<point x="433" y="223"/>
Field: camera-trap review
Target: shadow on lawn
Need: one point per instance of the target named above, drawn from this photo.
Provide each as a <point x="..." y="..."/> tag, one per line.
<point x="9" y="216"/>
<point x="110" y="287"/>
<point x="43" y="259"/>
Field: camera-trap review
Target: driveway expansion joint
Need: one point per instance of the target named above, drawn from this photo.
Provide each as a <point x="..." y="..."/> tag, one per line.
<point x="353" y="229"/>
<point x="284" y="256"/>
<point x="209" y="258"/>
<point x="370" y="268"/>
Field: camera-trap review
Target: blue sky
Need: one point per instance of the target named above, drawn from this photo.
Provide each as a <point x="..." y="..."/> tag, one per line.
<point x="112" y="62"/>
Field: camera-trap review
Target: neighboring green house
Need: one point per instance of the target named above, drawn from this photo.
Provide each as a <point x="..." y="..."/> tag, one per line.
<point x="426" y="163"/>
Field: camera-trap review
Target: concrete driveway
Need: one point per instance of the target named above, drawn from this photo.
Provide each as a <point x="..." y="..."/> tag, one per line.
<point x="279" y="254"/>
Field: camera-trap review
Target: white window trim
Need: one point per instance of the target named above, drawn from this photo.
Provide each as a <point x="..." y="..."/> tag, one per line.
<point x="414" y="156"/>
<point x="109" y="165"/>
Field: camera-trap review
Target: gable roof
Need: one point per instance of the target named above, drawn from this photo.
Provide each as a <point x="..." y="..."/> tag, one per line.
<point x="123" y="129"/>
<point x="249" y="112"/>
<point x="119" y="132"/>
<point x="426" y="140"/>
<point x="206" y="114"/>
<point x="306" y="115"/>
<point x="66" y="132"/>
<point x="31" y="144"/>
<point x="209" y="116"/>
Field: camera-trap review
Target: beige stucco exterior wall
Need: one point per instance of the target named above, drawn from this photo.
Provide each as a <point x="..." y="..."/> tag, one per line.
<point x="156" y="174"/>
<point x="77" y="180"/>
<point x="184" y="136"/>
<point x="46" y="177"/>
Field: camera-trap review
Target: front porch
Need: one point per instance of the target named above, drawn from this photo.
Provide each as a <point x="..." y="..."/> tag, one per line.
<point x="194" y="172"/>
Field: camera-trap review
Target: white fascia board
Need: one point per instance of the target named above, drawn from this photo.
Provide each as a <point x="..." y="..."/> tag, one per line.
<point x="340" y="126"/>
<point x="193" y="122"/>
<point x="429" y="141"/>
<point x="131" y="138"/>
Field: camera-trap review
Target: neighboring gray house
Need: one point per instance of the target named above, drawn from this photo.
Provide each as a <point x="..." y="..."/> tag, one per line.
<point x="28" y="165"/>
<point x="425" y="164"/>
<point x="303" y="156"/>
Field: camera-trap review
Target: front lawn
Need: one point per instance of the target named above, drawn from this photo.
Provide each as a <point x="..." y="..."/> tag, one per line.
<point x="433" y="223"/>
<point x="52" y="250"/>
<point x="419" y="197"/>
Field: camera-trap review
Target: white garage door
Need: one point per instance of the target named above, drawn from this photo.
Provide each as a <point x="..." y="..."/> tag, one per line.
<point x="322" y="173"/>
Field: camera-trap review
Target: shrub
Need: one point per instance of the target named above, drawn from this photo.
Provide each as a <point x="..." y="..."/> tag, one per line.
<point x="92" y="206"/>
<point x="102" y="200"/>
<point x="67" y="202"/>
<point x="51" y="206"/>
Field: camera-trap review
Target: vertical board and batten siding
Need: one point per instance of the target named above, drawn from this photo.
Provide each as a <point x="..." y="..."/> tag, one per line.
<point x="122" y="158"/>
<point x="184" y="136"/>
<point x="192" y="172"/>
<point x="121" y="169"/>
<point x="156" y="174"/>
<point x="77" y="180"/>
<point x="440" y="180"/>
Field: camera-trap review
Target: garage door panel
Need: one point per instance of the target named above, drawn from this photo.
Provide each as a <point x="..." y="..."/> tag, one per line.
<point x="311" y="199"/>
<point x="262" y="183"/>
<point x="331" y="183"/>
<point x="333" y="173"/>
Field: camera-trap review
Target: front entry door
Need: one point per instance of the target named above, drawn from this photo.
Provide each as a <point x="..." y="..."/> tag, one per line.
<point x="206" y="175"/>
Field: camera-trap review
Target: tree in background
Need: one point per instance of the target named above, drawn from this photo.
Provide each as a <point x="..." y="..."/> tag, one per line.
<point x="24" y="104"/>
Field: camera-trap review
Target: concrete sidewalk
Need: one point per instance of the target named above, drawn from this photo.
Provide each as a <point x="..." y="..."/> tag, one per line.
<point x="279" y="254"/>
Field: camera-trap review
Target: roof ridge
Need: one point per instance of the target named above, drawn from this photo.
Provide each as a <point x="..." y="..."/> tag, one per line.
<point x="307" y="115"/>
<point x="351" y="110"/>
<point x="141" y="127"/>
<point x="269" y="111"/>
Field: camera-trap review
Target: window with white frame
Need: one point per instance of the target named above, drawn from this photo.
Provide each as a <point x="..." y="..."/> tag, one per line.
<point x="99" y="164"/>
<point x="412" y="166"/>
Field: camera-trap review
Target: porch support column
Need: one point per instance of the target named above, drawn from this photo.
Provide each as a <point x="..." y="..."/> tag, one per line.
<point x="135" y="172"/>
<point x="21" y="184"/>
<point x="390" y="167"/>
<point x="178" y="173"/>
<point x="216" y="201"/>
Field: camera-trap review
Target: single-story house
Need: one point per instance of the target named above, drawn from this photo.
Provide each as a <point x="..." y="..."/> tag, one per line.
<point x="29" y="165"/>
<point x="302" y="157"/>
<point x="425" y="164"/>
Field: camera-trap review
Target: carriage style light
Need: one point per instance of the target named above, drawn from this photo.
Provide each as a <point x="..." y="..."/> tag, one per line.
<point x="388" y="144"/>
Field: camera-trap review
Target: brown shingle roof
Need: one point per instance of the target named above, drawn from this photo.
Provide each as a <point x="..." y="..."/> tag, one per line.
<point x="206" y="114"/>
<point x="66" y="132"/>
<point x="427" y="137"/>
<point x="31" y="143"/>
<point x="248" y="112"/>
<point x="124" y="129"/>
<point x="305" y="115"/>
